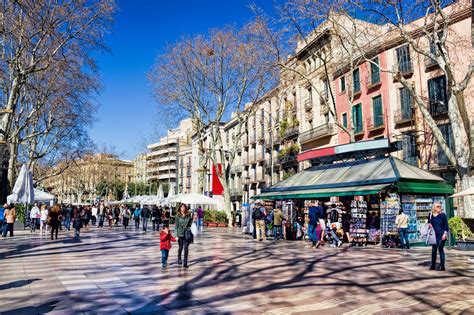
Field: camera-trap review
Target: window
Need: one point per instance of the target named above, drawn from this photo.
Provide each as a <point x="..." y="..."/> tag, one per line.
<point x="409" y="148"/>
<point x="356" y="80"/>
<point x="438" y="95"/>
<point x="447" y="132"/>
<point x="377" y="110"/>
<point x="342" y="81"/>
<point x="344" y="120"/>
<point x="326" y="118"/>
<point x="403" y="59"/>
<point x="357" y="118"/>
<point x="374" y="71"/>
<point x="325" y="91"/>
<point x="405" y="104"/>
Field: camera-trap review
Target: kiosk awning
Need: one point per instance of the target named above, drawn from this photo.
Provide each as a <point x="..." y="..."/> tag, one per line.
<point x="361" y="177"/>
<point x="323" y="192"/>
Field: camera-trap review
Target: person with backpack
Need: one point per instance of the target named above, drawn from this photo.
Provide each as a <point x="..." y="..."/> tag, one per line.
<point x="183" y="233"/>
<point x="402" y="224"/>
<point x="136" y="217"/>
<point x="259" y="216"/>
<point x="126" y="213"/>
<point x="334" y="218"/>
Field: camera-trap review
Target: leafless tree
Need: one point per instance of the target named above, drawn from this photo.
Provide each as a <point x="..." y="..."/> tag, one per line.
<point x="209" y="78"/>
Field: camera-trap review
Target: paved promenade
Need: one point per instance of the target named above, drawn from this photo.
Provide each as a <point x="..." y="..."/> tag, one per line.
<point x="118" y="272"/>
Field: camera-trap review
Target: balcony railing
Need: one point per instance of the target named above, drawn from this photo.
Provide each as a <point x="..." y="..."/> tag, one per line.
<point x="374" y="123"/>
<point x="430" y="63"/>
<point x="291" y="132"/>
<point x="236" y="169"/>
<point x="276" y="138"/>
<point x="319" y="132"/>
<point x="404" y="67"/>
<point x="324" y="108"/>
<point x="308" y="104"/>
<point x="252" y="138"/>
<point x="403" y="116"/>
<point x="323" y="96"/>
<point x="438" y="108"/>
<point x="236" y="191"/>
<point x="287" y="158"/>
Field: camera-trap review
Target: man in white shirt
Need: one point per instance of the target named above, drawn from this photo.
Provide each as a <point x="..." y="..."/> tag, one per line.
<point x="35" y="215"/>
<point x="402" y="224"/>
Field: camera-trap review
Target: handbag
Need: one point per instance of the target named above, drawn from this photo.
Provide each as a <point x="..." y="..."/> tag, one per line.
<point x="194" y="229"/>
<point x="188" y="236"/>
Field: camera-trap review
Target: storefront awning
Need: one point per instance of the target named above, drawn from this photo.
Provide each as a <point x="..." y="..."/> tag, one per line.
<point x="324" y="192"/>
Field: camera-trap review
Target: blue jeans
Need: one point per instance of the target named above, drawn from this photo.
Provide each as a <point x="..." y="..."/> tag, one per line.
<point x="335" y="239"/>
<point x="277" y="232"/>
<point x="164" y="257"/>
<point x="313" y="236"/>
<point x="67" y="223"/>
<point x="404" y="238"/>
<point x="145" y="223"/>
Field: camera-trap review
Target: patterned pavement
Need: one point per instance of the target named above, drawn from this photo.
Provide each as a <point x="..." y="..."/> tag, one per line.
<point x="112" y="271"/>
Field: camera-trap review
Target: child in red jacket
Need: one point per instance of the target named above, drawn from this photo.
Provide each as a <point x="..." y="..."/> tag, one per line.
<point x="165" y="244"/>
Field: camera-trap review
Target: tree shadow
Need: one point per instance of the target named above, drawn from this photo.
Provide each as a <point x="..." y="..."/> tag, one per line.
<point x="17" y="284"/>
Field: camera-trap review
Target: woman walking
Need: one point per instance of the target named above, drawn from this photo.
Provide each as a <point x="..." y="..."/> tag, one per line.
<point x="126" y="216"/>
<point x="55" y="218"/>
<point x="35" y="215"/>
<point x="43" y="218"/>
<point x="183" y="223"/>
<point x="10" y="217"/>
<point x="439" y="223"/>
<point x="402" y="224"/>
<point x="77" y="222"/>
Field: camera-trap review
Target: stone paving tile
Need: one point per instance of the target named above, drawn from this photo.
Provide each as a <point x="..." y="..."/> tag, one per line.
<point x="112" y="271"/>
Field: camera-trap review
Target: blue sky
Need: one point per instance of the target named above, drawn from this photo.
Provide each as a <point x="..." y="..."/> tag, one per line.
<point x="127" y="116"/>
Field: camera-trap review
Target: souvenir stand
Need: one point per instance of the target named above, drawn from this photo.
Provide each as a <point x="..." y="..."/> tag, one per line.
<point x="358" y="227"/>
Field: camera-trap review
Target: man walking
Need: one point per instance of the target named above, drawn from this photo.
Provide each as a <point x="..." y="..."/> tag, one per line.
<point x="200" y="218"/>
<point x="34" y="216"/>
<point x="68" y="217"/>
<point x="102" y="213"/>
<point x="277" y="222"/>
<point x="313" y="224"/>
<point x="145" y="216"/>
<point x="259" y="218"/>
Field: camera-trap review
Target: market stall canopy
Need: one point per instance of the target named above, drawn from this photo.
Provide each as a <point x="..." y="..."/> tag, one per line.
<point x="193" y="199"/>
<point x="39" y="196"/>
<point x="363" y="177"/>
<point x="466" y="192"/>
<point x="23" y="189"/>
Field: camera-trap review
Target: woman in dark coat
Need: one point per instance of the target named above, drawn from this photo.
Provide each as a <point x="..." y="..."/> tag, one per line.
<point x="183" y="222"/>
<point x="77" y="222"/>
<point x="439" y="223"/>
<point x="55" y="218"/>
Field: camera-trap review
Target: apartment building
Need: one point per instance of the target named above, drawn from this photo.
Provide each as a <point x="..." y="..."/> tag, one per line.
<point x="81" y="181"/>
<point x="140" y="168"/>
<point x="374" y="104"/>
<point x="163" y="157"/>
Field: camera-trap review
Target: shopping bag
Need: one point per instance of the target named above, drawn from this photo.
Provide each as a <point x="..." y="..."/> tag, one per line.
<point x="194" y="229"/>
<point x="431" y="237"/>
<point x="425" y="229"/>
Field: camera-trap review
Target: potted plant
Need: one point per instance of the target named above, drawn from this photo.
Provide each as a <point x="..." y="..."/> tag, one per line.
<point x="221" y="219"/>
<point x="462" y="233"/>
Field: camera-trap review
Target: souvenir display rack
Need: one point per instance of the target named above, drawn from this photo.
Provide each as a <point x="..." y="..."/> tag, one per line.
<point x="389" y="211"/>
<point x="358" y="226"/>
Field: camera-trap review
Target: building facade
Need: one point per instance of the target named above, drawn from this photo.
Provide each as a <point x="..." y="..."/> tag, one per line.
<point x="92" y="177"/>
<point x="163" y="157"/>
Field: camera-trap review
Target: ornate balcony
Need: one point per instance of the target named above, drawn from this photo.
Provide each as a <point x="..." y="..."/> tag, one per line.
<point x="375" y="123"/>
<point x="308" y="104"/>
<point x="319" y="132"/>
<point x="403" y="116"/>
<point x="291" y="132"/>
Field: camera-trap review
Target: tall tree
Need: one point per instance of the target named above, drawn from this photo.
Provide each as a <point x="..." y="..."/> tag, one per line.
<point x="37" y="38"/>
<point x="209" y="78"/>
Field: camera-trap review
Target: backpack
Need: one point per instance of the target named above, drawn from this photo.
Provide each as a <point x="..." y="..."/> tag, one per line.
<point x="333" y="216"/>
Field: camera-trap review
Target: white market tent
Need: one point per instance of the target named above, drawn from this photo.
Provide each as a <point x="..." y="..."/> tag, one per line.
<point x="39" y="196"/>
<point x="194" y="199"/>
<point x="466" y="192"/>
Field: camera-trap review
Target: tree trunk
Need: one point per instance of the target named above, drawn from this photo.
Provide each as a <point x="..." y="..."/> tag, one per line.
<point x="467" y="201"/>
<point x="12" y="163"/>
<point x="227" y="202"/>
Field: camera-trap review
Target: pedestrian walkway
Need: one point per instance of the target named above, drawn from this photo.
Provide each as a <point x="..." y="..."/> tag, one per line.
<point x="118" y="272"/>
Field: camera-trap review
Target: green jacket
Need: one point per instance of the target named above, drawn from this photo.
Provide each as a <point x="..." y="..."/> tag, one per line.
<point x="181" y="224"/>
